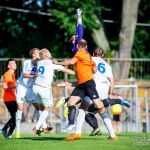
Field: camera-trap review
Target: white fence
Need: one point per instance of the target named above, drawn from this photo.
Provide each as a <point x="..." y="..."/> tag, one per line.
<point x="139" y="67"/>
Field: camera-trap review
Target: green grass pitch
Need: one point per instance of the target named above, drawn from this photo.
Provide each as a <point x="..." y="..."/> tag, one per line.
<point x="131" y="141"/>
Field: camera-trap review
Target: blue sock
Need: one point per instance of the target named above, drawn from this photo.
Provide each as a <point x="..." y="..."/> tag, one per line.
<point x="125" y="103"/>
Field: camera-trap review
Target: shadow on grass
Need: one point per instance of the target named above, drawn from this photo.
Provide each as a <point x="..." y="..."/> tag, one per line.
<point x="43" y="138"/>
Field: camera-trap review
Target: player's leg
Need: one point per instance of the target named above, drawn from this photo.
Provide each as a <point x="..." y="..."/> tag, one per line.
<point x="108" y="124"/>
<point x="105" y="117"/>
<point x="33" y="99"/>
<point x="79" y="123"/>
<point x="118" y="100"/>
<point x="90" y="117"/>
<point x="74" y="98"/>
<point x="9" y="127"/>
<point x="62" y="101"/>
<point x="47" y="101"/>
<point x="42" y="119"/>
<point x="20" y="98"/>
<point x="92" y="121"/>
<point x="12" y="108"/>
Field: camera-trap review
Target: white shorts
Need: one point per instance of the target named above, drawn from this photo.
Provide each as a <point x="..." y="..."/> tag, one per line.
<point x="102" y="89"/>
<point x="25" y="94"/>
<point x="44" y="95"/>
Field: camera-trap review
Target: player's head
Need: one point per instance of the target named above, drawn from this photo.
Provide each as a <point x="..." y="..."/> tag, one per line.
<point x="34" y="53"/>
<point x="82" y="44"/>
<point x="11" y="64"/>
<point x="45" y="54"/>
<point x="71" y="39"/>
<point x="98" y="52"/>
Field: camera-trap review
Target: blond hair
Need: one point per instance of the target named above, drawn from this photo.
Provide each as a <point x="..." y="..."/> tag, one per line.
<point x="44" y="51"/>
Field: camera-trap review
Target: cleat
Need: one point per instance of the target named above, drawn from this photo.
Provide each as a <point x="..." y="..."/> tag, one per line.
<point x="4" y="133"/>
<point x="125" y="103"/>
<point x="68" y="128"/>
<point x="45" y="130"/>
<point x="61" y="102"/>
<point x="74" y="137"/>
<point x="36" y="131"/>
<point x="17" y="134"/>
<point x="112" y="138"/>
<point x="96" y="132"/>
<point x="10" y="136"/>
<point x="66" y="111"/>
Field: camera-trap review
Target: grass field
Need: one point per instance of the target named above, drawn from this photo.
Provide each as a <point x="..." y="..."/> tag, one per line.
<point x="57" y="142"/>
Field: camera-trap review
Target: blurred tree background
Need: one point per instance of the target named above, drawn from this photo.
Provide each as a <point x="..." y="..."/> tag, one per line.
<point x="25" y="24"/>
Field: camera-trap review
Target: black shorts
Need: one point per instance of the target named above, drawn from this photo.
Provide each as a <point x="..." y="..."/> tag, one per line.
<point x="86" y="89"/>
<point x="116" y="117"/>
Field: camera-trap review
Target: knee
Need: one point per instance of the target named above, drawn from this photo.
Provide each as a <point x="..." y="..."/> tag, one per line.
<point x="20" y="107"/>
<point x="101" y="111"/>
<point x="98" y="104"/>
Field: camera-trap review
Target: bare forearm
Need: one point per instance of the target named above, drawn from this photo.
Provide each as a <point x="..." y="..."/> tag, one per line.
<point x="64" y="63"/>
<point x="111" y="89"/>
<point x="28" y="75"/>
<point x="69" y="71"/>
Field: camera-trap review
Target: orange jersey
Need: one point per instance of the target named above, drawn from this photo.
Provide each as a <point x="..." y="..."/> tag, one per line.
<point x="9" y="79"/>
<point x="84" y="66"/>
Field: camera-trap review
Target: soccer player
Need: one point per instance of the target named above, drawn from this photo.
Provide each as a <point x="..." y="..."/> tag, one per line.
<point x="104" y="85"/>
<point x="24" y="87"/>
<point x="42" y="86"/>
<point x="85" y="68"/>
<point x="9" y="86"/>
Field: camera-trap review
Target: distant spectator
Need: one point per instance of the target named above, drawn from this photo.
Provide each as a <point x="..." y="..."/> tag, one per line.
<point x="116" y="111"/>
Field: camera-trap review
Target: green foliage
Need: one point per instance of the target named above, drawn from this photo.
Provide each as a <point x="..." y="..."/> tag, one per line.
<point x="65" y="18"/>
<point x="139" y="47"/>
<point x="21" y="31"/>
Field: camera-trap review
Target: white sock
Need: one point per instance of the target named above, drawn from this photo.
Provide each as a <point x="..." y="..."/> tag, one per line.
<point x="44" y="124"/>
<point x="108" y="125"/>
<point x="38" y="113"/>
<point x="18" y="120"/>
<point x="80" y="121"/>
<point x="42" y="118"/>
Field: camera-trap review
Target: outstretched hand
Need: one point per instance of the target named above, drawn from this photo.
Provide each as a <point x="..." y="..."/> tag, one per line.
<point x="79" y="12"/>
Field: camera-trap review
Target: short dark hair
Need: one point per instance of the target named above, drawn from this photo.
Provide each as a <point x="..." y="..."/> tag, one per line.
<point x="7" y="63"/>
<point x="69" y="39"/>
<point x="82" y="43"/>
<point x="32" y="51"/>
<point x="98" y="52"/>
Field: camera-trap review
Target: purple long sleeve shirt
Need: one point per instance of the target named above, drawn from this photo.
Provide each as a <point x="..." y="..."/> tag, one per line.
<point x="79" y="33"/>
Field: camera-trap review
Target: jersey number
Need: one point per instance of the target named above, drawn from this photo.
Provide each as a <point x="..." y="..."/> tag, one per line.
<point x="101" y="68"/>
<point x="41" y="70"/>
<point x="33" y="69"/>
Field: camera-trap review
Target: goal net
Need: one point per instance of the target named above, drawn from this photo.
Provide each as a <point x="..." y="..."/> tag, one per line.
<point x="130" y="117"/>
